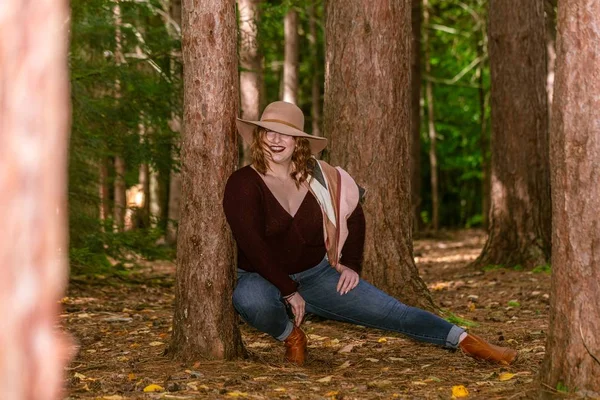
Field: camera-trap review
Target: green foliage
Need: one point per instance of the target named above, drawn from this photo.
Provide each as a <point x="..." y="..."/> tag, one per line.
<point x="545" y="269"/>
<point x="514" y="303"/>
<point x="456" y="320"/>
<point x="562" y="388"/>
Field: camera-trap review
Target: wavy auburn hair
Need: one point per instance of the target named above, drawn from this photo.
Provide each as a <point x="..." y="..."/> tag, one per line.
<point x="303" y="163"/>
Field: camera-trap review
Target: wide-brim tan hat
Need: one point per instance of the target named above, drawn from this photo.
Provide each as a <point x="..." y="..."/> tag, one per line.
<point x="282" y="117"/>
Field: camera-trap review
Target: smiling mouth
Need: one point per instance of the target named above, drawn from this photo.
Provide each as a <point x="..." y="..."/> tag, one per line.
<point x="276" y="149"/>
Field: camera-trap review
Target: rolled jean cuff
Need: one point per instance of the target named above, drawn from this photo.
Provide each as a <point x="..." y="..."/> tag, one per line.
<point x="288" y="329"/>
<point x="454" y="336"/>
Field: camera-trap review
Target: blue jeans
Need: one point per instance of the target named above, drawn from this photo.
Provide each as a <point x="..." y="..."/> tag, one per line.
<point x="260" y="304"/>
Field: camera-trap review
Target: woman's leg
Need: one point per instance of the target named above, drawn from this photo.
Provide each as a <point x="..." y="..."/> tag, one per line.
<point x="260" y="305"/>
<point x="366" y="305"/>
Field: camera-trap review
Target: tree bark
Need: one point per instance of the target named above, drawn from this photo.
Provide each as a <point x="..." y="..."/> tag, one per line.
<point x="120" y="197"/>
<point x="251" y="67"/>
<point x="415" y="144"/>
<point x="435" y="197"/>
<point x="34" y="127"/>
<point x="104" y="190"/>
<point x="367" y="119"/>
<point x="315" y="110"/>
<point x="520" y="215"/>
<point x="205" y="324"/>
<point x="290" y="64"/>
<point x="573" y="348"/>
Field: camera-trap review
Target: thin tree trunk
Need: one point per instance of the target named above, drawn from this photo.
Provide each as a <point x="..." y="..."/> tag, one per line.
<point x="315" y="112"/>
<point x="290" y="64"/>
<point x="251" y="66"/>
<point x="205" y="323"/>
<point x="435" y="202"/>
<point x="155" y="198"/>
<point x="572" y="359"/>
<point x="550" y="14"/>
<point x="104" y="190"/>
<point x="415" y="145"/>
<point x="120" y="198"/>
<point x="144" y="179"/>
<point x="34" y="126"/>
<point x="368" y="121"/>
<point x="484" y="139"/>
<point x="520" y="215"/>
<point x="174" y="199"/>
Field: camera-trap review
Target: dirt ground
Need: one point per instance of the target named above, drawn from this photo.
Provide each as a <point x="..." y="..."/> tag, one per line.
<point x="122" y="328"/>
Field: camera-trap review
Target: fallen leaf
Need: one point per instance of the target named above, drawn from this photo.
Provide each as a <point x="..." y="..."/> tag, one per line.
<point x="382" y="340"/>
<point x="396" y="359"/>
<point x="154" y="388"/>
<point x="154" y="344"/>
<point x="327" y="379"/>
<point x="237" y="393"/>
<point x="279" y="389"/>
<point x="113" y="397"/>
<point x="131" y="376"/>
<point x="135" y="345"/>
<point x="333" y="394"/>
<point x="373" y="360"/>
<point x="346" y="349"/>
<point x="317" y="337"/>
<point x="505" y="376"/>
<point x="422" y="383"/>
<point x="78" y="375"/>
<point x="345" y="365"/>
<point x="459" y="391"/>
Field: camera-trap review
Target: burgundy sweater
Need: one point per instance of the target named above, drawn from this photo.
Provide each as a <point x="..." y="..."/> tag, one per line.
<point x="272" y="242"/>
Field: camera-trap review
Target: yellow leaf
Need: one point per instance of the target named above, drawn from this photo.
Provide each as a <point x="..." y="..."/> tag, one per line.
<point x="505" y="376"/>
<point x="459" y="391"/>
<point x="131" y="376"/>
<point x="154" y="388"/>
<point x="327" y="379"/>
<point x="333" y="393"/>
<point x="154" y="344"/>
<point x="279" y="389"/>
<point x="78" y="375"/>
<point x="471" y="306"/>
<point x="382" y="340"/>
<point x="237" y="393"/>
<point x="135" y="346"/>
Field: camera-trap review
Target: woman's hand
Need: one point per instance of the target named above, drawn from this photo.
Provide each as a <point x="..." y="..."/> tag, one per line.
<point x="348" y="279"/>
<point x="298" y="306"/>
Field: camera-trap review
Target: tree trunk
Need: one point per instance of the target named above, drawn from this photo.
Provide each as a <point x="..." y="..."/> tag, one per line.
<point x="156" y="195"/>
<point x="205" y="323"/>
<point x="315" y="110"/>
<point x="290" y="64"/>
<point x="550" y="14"/>
<point x="174" y="199"/>
<point x="572" y="360"/>
<point x="120" y="188"/>
<point x="367" y="118"/>
<point x="520" y="215"/>
<point x="144" y="179"/>
<point x="435" y="202"/>
<point x="34" y="126"/>
<point x="251" y="67"/>
<point x="484" y="139"/>
<point x="104" y="190"/>
<point x="415" y="144"/>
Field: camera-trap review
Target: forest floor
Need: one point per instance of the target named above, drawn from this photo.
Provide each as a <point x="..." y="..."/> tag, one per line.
<point x="122" y="327"/>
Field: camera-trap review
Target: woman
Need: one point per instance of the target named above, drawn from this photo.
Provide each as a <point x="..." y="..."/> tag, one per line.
<point x="300" y="231"/>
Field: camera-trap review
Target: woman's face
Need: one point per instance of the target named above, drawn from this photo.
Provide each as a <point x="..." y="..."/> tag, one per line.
<point x="279" y="147"/>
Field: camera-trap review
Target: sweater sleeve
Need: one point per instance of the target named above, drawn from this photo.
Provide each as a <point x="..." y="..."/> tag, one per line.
<point x="352" y="252"/>
<point x="242" y="203"/>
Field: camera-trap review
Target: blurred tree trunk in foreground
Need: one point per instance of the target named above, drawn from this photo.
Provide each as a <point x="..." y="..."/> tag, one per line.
<point x="120" y="189"/>
<point x="368" y="121"/>
<point x="572" y="360"/>
<point x="520" y="216"/>
<point x="34" y="125"/>
<point x="205" y="324"/>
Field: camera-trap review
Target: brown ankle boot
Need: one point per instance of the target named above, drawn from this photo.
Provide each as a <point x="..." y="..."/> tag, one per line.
<point x="295" y="347"/>
<point x="478" y="348"/>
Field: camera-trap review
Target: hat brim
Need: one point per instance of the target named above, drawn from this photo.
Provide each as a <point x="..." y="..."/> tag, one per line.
<point x="246" y="130"/>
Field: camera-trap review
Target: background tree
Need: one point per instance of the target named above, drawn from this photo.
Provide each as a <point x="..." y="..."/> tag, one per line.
<point x="572" y="361"/>
<point x="250" y="64"/>
<point x="34" y="119"/>
<point x="368" y="121"/>
<point x="204" y="323"/>
<point x="290" y="65"/>
<point x="520" y="216"/>
<point x="415" y="154"/>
